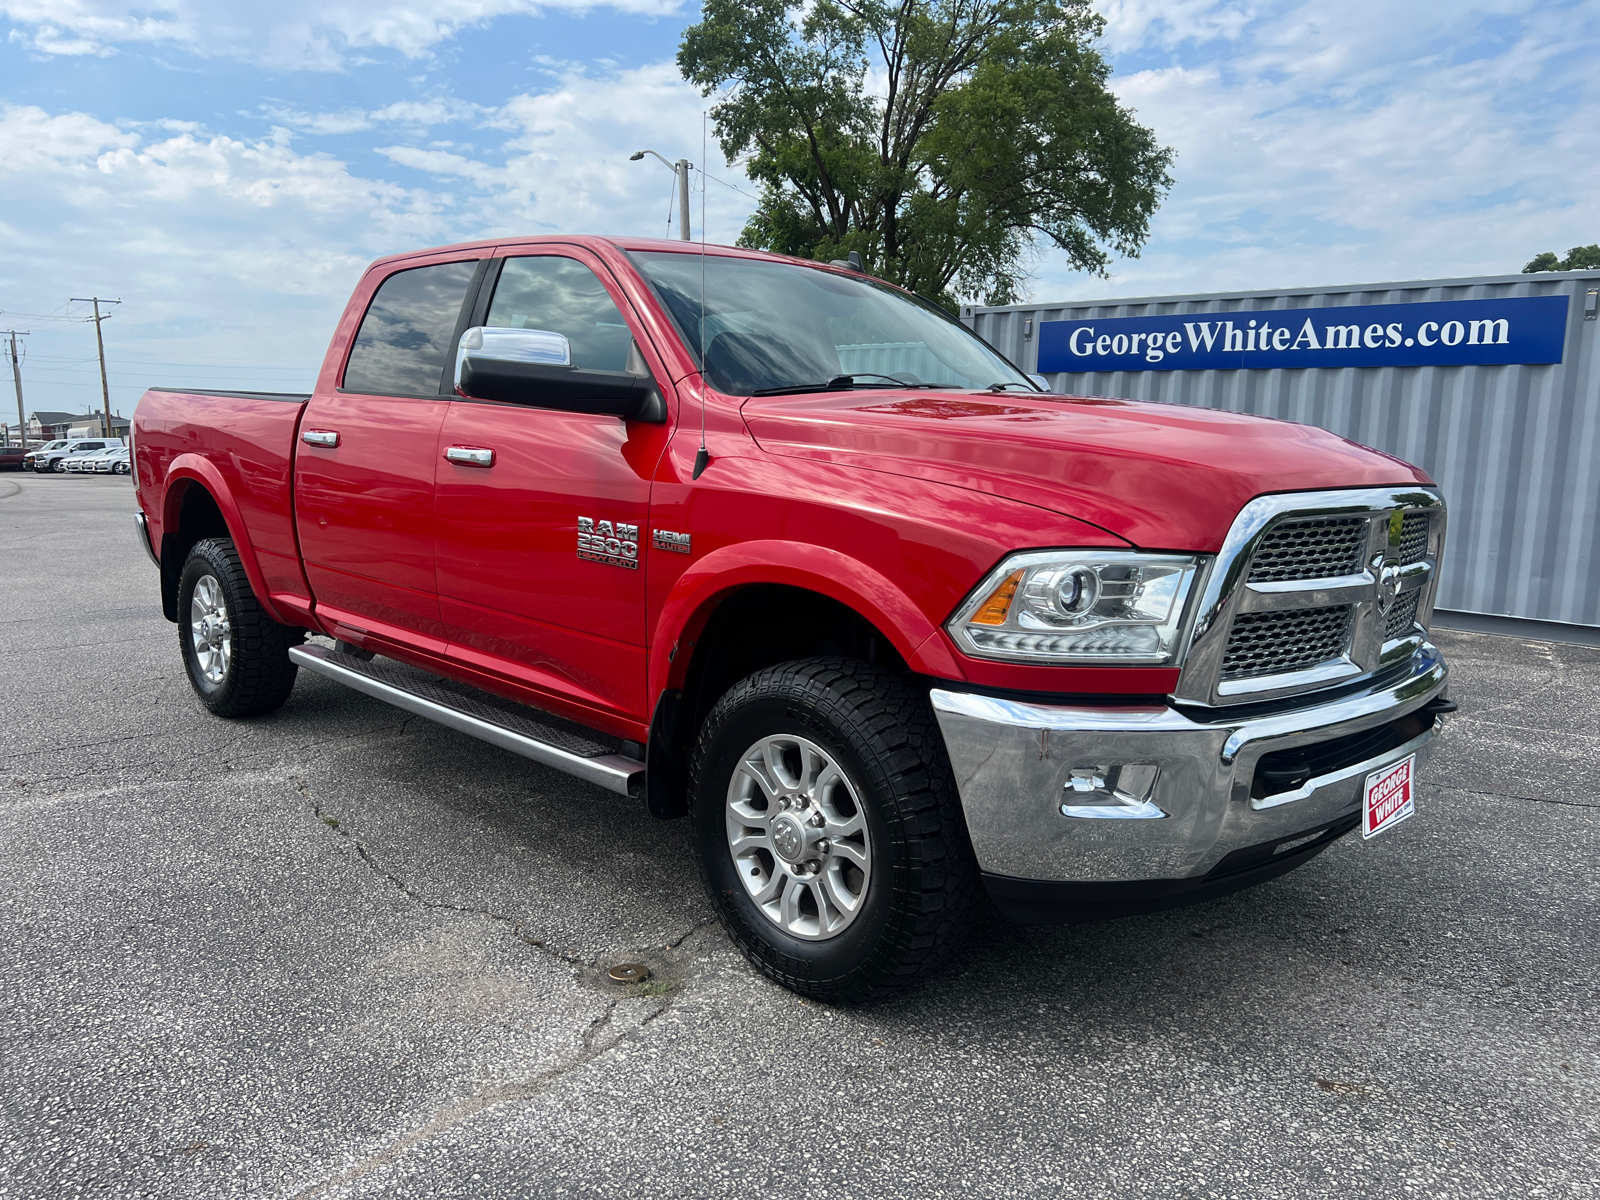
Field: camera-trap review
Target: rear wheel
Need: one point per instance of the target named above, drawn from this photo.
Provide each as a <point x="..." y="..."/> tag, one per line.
<point x="236" y="656"/>
<point x="828" y="830"/>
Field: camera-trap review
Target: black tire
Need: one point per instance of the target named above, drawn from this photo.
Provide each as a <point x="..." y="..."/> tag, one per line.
<point x="258" y="675"/>
<point x="922" y="895"/>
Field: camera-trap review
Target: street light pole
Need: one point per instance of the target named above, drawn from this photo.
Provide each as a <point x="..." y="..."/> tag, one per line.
<point x="105" y="386"/>
<point x="681" y="169"/>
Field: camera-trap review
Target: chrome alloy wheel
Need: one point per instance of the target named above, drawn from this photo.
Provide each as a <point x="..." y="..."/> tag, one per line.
<point x="799" y="837"/>
<point x="209" y="630"/>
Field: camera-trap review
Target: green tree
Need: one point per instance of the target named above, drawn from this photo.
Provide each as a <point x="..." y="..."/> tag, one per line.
<point x="1579" y="258"/>
<point x="945" y="140"/>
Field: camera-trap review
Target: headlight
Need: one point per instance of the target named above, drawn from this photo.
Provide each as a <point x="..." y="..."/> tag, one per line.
<point x="1078" y="606"/>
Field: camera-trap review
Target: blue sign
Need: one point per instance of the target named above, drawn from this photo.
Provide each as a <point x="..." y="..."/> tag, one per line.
<point x="1521" y="329"/>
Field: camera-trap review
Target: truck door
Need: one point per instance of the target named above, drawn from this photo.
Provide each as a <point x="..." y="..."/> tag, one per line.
<point x="517" y="594"/>
<point x="364" y="466"/>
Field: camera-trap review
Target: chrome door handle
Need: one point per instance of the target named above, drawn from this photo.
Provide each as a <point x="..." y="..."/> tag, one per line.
<point x="470" y="456"/>
<point x="320" y="437"/>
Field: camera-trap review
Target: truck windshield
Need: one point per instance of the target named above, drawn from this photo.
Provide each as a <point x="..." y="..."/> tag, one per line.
<point x="775" y="327"/>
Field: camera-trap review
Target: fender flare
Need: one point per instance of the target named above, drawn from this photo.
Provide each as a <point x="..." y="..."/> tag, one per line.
<point x="196" y="468"/>
<point x="828" y="572"/>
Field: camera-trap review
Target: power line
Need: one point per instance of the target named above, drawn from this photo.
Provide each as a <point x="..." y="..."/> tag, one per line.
<point x="728" y="185"/>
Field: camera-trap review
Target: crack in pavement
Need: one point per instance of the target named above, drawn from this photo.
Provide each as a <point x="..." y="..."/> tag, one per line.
<point x="1450" y="787"/>
<point x="492" y="1097"/>
<point x="458" y="1111"/>
<point x="365" y="854"/>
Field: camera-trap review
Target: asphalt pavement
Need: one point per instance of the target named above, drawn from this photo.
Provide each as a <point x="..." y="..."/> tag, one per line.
<point x="339" y="951"/>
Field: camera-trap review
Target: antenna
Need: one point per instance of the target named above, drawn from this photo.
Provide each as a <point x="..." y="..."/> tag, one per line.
<point x="702" y="458"/>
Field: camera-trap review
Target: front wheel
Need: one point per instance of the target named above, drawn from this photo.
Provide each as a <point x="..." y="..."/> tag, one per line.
<point x="236" y="656"/>
<point x="828" y="830"/>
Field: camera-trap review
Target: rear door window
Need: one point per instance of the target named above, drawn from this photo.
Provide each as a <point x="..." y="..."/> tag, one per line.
<point x="405" y="337"/>
<point x="563" y="296"/>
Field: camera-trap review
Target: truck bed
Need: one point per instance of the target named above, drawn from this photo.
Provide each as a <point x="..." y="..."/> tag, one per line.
<point x="240" y="444"/>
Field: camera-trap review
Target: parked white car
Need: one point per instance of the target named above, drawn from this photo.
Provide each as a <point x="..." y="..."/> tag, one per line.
<point x="113" y="462"/>
<point x="56" y="455"/>
<point x="90" y="464"/>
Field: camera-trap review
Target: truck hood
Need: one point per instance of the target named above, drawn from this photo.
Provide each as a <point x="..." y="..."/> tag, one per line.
<point x="1161" y="476"/>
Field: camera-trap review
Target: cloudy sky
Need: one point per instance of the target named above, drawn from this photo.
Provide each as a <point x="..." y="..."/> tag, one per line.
<point x="226" y="169"/>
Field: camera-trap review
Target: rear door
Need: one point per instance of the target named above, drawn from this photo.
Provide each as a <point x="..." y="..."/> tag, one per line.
<point x="541" y="555"/>
<point x="364" y="466"/>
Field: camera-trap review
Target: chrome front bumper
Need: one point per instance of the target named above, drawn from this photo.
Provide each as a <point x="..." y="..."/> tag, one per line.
<point x="1086" y="795"/>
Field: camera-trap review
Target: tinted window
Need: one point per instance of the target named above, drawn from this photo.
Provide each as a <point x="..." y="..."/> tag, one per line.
<point x="563" y="296"/>
<point x="405" y="336"/>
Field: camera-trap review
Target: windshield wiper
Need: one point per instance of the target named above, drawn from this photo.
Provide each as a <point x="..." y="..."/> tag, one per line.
<point x="841" y="383"/>
<point x="1000" y="387"/>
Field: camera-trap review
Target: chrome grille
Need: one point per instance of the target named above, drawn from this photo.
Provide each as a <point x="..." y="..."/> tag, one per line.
<point x="1312" y="548"/>
<point x="1308" y="590"/>
<point x="1270" y="643"/>
<point x="1414" y="538"/>
<point x="1401" y="617"/>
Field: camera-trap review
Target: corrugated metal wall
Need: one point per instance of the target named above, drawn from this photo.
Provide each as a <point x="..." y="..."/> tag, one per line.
<point x="1516" y="448"/>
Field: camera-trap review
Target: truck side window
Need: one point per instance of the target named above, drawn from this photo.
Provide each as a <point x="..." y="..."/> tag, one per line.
<point x="563" y="296"/>
<point x="405" y="336"/>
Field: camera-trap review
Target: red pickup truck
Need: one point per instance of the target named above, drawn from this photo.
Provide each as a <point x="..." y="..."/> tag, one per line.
<point x="781" y="547"/>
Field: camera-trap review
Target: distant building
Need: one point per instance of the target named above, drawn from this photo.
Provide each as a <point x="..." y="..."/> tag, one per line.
<point x="46" y="426"/>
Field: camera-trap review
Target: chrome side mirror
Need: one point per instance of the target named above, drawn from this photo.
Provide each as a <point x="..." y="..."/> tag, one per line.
<point x="534" y="367"/>
<point x="485" y="343"/>
<point x="1040" y="382"/>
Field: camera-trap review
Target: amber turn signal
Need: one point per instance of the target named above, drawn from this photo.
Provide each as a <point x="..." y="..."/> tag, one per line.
<point x="993" y="610"/>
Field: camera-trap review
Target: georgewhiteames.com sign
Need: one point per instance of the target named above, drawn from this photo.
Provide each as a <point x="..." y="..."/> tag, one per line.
<point x="1524" y="329"/>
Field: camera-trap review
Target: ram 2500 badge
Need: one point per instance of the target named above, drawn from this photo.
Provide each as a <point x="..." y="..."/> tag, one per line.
<point x="783" y="548"/>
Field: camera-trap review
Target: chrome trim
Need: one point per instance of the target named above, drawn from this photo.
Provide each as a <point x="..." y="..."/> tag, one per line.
<point x="1226" y="591"/>
<point x="320" y="437"/>
<point x="469" y="456"/>
<point x="1332" y="777"/>
<point x="1015" y="761"/>
<point x="1141" y="811"/>
<point x="143" y="526"/>
<point x="610" y="771"/>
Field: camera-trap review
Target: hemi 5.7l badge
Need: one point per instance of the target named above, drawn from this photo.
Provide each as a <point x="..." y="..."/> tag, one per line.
<point x="615" y="544"/>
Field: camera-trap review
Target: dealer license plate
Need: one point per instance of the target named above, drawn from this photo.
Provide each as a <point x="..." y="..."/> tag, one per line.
<point x="1390" y="797"/>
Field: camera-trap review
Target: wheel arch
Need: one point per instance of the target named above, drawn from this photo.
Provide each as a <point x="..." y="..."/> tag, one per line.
<point x="753" y="605"/>
<point x="197" y="503"/>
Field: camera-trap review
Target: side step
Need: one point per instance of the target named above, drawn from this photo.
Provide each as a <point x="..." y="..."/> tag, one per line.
<point x="504" y="723"/>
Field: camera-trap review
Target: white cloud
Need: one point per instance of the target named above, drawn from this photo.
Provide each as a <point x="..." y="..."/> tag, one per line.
<point x="292" y="34"/>
<point x="242" y="250"/>
<point x="417" y="114"/>
<point x="1359" y="141"/>
<point x="1131" y="24"/>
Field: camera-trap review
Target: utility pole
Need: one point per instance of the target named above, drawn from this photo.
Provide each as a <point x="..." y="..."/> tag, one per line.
<point x="105" y="386"/>
<point x="683" y="166"/>
<point x="16" y="377"/>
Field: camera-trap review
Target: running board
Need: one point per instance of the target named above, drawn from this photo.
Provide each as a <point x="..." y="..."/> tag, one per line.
<point x="479" y="714"/>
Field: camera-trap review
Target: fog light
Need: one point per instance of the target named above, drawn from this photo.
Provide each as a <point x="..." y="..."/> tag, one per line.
<point x="1086" y="794"/>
